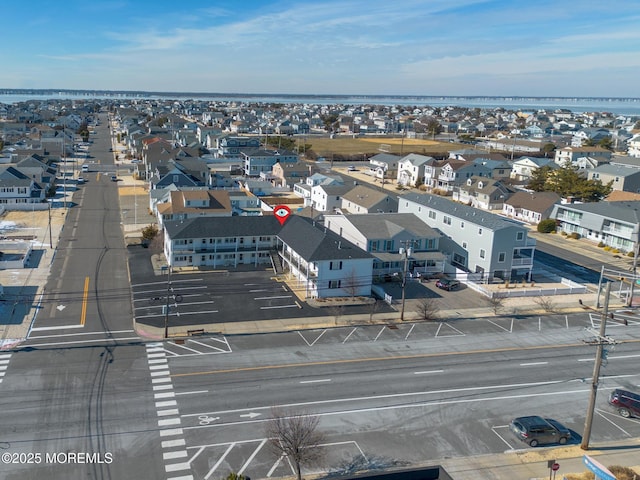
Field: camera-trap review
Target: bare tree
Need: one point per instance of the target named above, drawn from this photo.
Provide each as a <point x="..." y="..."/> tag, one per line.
<point x="373" y="307"/>
<point x="496" y="304"/>
<point x="296" y="437"/>
<point x="336" y="312"/>
<point x="350" y="283"/>
<point x="428" y="309"/>
<point x="546" y="304"/>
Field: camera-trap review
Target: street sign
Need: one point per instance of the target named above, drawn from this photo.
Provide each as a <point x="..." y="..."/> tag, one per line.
<point x="555" y="467"/>
<point x="598" y="469"/>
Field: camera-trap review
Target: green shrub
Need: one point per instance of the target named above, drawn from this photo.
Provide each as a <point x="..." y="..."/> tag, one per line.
<point x="574" y="235"/>
<point x="547" y="226"/>
<point x="607" y="248"/>
<point x="563" y="233"/>
<point x="615" y="250"/>
<point x="601" y="244"/>
<point x="630" y="254"/>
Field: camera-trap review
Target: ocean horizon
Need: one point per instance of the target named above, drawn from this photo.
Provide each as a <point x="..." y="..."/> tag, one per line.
<point x="615" y="105"/>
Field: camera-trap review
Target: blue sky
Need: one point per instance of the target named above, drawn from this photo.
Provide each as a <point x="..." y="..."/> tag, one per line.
<point x="408" y="47"/>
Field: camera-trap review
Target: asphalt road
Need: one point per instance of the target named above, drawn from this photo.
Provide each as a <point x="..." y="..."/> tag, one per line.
<point x="80" y="383"/>
<point x="391" y="398"/>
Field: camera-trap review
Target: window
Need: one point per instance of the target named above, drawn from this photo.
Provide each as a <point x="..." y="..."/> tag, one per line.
<point x="519" y="235"/>
<point x="446" y="220"/>
<point x="334" y="283"/>
<point x="501" y="256"/>
<point x="388" y="245"/>
<point x="461" y="224"/>
<point x="480" y="231"/>
<point x="464" y="245"/>
<point x="432" y="214"/>
<point x="335" y="265"/>
<point x="482" y="253"/>
<point x="373" y="245"/>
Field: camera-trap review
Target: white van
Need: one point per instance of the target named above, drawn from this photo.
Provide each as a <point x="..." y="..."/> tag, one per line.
<point x="85" y="168"/>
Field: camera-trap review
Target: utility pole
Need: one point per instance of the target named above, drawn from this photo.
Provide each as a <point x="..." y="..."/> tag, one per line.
<point x="406" y="251"/>
<point x="50" y="237"/>
<point x="601" y="340"/>
<point x="166" y="306"/>
<point x="635" y="236"/>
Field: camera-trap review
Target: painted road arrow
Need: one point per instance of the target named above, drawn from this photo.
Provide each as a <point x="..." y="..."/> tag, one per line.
<point x="251" y="415"/>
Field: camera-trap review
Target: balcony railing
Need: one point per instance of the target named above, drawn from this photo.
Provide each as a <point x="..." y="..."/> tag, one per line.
<point x="522" y="261"/>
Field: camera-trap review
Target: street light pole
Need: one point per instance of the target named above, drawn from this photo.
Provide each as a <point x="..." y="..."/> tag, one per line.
<point x="596" y="370"/>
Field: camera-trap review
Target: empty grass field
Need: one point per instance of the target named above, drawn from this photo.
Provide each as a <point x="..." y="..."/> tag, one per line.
<point x="324" y="146"/>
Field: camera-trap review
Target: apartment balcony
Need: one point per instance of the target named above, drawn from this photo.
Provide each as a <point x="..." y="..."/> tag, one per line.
<point x="569" y="218"/>
<point x="618" y="232"/>
<point x="522" y="262"/>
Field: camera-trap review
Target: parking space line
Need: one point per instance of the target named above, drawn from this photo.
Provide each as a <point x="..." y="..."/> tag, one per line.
<point x="269" y="298"/>
<point x="599" y="412"/>
<point x="217" y="464"/>
<point x="275" y="465"/>
<point x="533" y="364"/>
<point x="426" y="372"/>
<point x="500" y="326"/>
<point x="493" y="429"/>
<point x="313" y="343"/>
<point x="410" y="330"/>
<point x="379" y="333"/>
<point x="279" y="306"/>
<point x="208" y="346"/>
<point x="252" y="456"/>
<point x="181" y="346"/>
<point x="350" y="333"/>
<point x="449" y="326"/>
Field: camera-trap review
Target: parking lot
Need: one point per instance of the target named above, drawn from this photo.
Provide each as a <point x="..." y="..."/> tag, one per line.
<point x="209" y="297"/>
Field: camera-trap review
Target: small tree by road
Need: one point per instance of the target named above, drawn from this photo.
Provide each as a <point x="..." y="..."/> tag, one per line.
<point x="296" y="437"/>
<point x="427" y="309"/>
<point x="496" y="304"/>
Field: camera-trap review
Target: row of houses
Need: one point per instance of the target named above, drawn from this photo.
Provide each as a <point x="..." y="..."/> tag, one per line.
<point x="343" y="254"/>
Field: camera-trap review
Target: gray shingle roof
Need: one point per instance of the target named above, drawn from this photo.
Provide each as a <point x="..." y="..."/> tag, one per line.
<point x="623" y="211"/>
<point x="387" y="225"/>
<point x="315" y="243"/>
<point x="223" y="227"/>
<point x="464" y="212"/>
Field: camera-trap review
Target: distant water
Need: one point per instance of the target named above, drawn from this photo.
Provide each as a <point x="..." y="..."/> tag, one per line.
<point x="621" y="106"/>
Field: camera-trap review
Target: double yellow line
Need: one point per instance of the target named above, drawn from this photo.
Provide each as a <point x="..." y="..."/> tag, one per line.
<point x="85" y="297"/>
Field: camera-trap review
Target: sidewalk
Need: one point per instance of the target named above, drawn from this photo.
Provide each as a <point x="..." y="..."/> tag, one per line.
<point x="533" y="464"/>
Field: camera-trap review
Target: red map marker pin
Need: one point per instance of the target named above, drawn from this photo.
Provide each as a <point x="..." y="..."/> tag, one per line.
<point x="281" y="212"/>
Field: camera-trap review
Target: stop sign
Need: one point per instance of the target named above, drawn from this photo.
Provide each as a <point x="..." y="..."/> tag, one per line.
<point x="555" y="467"/>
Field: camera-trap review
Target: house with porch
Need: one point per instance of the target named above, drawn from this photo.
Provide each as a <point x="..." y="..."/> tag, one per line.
<point x="522" y="168"/>
<point x="611" y="223"/>
<point x="322" y="263"/>
<point x="530" y="207"/>
<point x="411" y="169"/>
<point x="258" y="160"/>
<point x="482" y="192"/>
<point x="384" y="165"/>
<point x="17" y="188"/>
